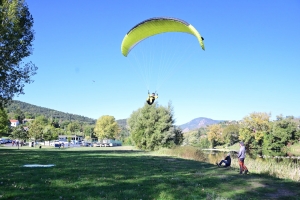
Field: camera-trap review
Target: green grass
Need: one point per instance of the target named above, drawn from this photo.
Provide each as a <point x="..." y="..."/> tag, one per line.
<point x="284" y="167"/>
<point x="122" y="173"/>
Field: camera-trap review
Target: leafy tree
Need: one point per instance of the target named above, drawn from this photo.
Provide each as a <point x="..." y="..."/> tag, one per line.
<point x="55" y="123"/>
<point x="19" y="115"/>
<point x="193" y="137"/>
<point x="87" y="138"/>
<point x="171" y="138"/>
<point x="37" y="126"/>
<point x="176" y="136"/>
<point x="253" y="129"/>
<point x="284" y="132"/>
<point x="50" y="133"/>
<point x="214" y="134"/>
<point x="106" y="127"/>
<point x="124" y="134"/>
<point x="29" y="115"/>
<point x="64" y="124"/>
<point x="74" y="127"/>
<point x="202" y="131"/>
<point x="88" y="130"/>
<point x="231" y="134"/>
<point x="189" y="138"/>
<point x="4" y="122"/>
<point x="16" y="37"/>
<point x="203" y="143"/>
<point x="19" y="132"/>
<point x="151" y="127"/>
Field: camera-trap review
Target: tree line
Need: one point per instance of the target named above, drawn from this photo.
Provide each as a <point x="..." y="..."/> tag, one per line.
<point x="152" y="127"/>
<point x="256" y="130"/>
<point x="43" y="128"/>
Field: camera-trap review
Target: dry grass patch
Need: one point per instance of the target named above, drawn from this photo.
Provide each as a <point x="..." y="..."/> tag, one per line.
<point x="186" y="152"/>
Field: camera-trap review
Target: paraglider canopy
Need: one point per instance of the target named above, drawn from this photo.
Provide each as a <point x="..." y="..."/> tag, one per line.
<point x="154" y="26"/>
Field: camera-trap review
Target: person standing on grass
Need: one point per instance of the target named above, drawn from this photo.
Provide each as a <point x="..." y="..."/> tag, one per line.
<point x="241" y="157"/>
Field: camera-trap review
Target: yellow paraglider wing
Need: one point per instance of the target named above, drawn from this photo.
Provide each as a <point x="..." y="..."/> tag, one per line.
<point x="155" y="26"/>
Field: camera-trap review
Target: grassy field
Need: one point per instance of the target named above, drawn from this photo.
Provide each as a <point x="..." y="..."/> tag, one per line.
<point x="123" y="173"/>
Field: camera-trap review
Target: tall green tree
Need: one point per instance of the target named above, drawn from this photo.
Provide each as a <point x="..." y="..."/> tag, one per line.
<point x="284" y="132"/>
<point x="16" y="37"/>
<point x="29" y="115"/>
<point x="152" y="127"/>
<point x="88" y="130"/>
<point x="4" y="122"/>
<point x="194" y="138"/>
<point x="254" y="128"/>
<point x="214" y="134"/>
<point x="36" y="127"/>
<point x="124" y="134"/>
<point x="50" y="133"/>
<point x="19" y="115"/>
<point x="19" y="132"/>
<point x="106" y="127"/>
<point x="231" y="134"/>
<point x="64" y="125"/>
<point x="55" y="123"/>
<point x="191" y="138"/>
<point x="74" y="127"/>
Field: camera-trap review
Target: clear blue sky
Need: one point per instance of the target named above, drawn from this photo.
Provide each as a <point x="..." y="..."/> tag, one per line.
<point x="251" y="62"/>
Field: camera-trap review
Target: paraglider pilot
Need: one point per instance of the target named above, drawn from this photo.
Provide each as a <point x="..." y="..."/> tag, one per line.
<point x="151" y="98"/>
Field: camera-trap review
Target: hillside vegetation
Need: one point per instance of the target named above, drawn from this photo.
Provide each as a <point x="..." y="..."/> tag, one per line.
<point x="32" y="111"/>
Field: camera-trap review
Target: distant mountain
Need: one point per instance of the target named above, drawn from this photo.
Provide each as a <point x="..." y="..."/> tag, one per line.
<point x="32" y="111"/>
<point x="198" y="123"/>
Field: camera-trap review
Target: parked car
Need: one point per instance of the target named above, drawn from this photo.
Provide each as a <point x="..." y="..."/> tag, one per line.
<point x="87" y="144"/>
<point x="3" y="141"/>
<point x="96" y="145"/>
<point x="76" y="142"/>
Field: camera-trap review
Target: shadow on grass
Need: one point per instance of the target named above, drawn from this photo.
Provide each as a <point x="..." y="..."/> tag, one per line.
<point x="126" y="174"/>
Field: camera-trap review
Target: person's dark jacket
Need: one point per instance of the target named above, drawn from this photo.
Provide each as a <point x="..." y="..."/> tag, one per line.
<point x="228" y="159"/>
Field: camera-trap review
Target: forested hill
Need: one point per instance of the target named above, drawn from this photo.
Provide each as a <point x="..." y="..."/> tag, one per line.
<point x="31" y="111"/>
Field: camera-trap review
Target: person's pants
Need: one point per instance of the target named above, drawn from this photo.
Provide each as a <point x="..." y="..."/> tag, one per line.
<point x="224" y="161"/>
<point x="150" y="102"/>
<point x="242" y="165"/>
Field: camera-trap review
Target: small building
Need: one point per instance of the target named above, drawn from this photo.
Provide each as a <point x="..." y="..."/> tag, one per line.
<point x="72" y="138"/>
<point x="14" y="122"/>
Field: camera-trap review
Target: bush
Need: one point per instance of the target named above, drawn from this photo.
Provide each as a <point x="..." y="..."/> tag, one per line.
<point x="127" y="141"/>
